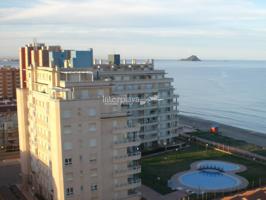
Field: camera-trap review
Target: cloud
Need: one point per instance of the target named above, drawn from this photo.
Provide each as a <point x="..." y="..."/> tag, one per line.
<point x="172" y="22"/>
<point x="107" y="11"/>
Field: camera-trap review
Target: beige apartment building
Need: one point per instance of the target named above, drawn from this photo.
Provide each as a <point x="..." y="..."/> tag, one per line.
<point x="73" y="145"/>
<point x="9" y="81"/>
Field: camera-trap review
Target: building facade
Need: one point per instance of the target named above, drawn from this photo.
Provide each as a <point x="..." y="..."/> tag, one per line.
<point x="8" y="126"/>
<point x="157" y="113"/>
<point x="9" y="81"/>
<point x="73" y="145"/>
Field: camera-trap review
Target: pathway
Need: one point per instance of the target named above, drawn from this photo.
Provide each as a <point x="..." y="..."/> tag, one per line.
<point x="150" y="194"/>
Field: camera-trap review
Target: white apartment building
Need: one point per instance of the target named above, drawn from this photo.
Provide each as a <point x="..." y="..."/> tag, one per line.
<point x="158" y="116"/>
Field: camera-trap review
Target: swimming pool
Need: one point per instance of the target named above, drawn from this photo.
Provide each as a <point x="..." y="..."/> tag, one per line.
<point x="204" y="180"/>
<point x="210" y="176"/>
<point x="226" y="166"/>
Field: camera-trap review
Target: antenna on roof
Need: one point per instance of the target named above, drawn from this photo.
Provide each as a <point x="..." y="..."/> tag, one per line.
<point x="35" y="43"/>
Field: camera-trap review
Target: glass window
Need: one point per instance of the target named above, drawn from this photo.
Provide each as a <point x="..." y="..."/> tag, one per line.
<point x="117" y="78"/>
<point x="92" y="112"/>
<point x="68" y="161"/>
<point x="92" y="143"/>
<point x="92" y="127"/>
<point x="115" y="108"/>
<point x="67" y="130"/>
<point x="67" y="146"/>
<point x="114" y="123"/>
<point x="69" y="191"/>
<point x="126" y="78"/>
<point x="66" y="114"/>
<point x="84" y="94"/>
<point x="94" y="187"/>
<point x="100" y="92"/>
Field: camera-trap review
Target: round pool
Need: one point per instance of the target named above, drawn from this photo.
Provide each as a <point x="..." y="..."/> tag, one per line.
<point x="209" y="180"/>
<point x="225" y="166"/>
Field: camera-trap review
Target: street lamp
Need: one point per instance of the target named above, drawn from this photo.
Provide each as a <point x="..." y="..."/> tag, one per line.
<point x="164" y="143"/>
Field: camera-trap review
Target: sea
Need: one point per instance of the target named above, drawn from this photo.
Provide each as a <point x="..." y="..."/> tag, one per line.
<point x="228" y="92"/>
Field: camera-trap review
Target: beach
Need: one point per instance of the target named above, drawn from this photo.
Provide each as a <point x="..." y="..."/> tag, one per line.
<point x="226" y="130"/>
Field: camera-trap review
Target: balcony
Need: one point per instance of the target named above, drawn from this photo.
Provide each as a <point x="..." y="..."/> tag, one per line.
<point x="127" y="142"/>
<point x="129" y="171"/>
<point x="114" y="114"/>
<point x="153" y="115"/>
<point x="135" y="183"/>
<point x="126" y="129"/>
<point x="127" y="157"/>
<point x="141" y="90"/>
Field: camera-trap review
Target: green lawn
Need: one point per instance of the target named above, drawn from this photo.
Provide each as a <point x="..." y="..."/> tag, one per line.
<point x="166" y="165"/>
<point x="230" y="141"/>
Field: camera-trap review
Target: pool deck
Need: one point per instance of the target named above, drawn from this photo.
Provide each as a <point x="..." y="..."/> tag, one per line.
<point x="193" y="167"/>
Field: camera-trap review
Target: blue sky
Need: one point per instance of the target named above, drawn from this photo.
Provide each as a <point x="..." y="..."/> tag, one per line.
<point x="211" y="29"/>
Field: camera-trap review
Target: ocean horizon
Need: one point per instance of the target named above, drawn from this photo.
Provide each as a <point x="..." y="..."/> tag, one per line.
<point x="226" y="91"/>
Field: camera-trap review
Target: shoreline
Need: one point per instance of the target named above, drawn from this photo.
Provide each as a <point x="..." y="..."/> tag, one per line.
<point x="249" y="136"/>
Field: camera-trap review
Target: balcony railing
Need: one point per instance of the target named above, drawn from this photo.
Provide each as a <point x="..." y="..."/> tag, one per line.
<point x="128" y="171"/>
<point x="114" y="114"/>
<point x="128" y="156"/>
<point x="127" y="141"/>
<point x="129" y="128"/>
<point x="130" y="184"/>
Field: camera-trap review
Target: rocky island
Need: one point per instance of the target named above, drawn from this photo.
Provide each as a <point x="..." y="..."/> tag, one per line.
<point x="191" y="58"/>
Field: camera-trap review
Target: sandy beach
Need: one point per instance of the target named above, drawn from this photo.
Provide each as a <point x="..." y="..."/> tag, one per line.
<point x="226" y="130"/>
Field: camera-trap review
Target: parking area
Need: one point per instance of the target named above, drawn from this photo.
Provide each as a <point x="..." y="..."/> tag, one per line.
<point x="9" y="179"/>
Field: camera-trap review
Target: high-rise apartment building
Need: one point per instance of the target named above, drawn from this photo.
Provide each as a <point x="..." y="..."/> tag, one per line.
<point x="9" y="81"/>
<point x="74" y="145"/>
<point x="157" y="113"/>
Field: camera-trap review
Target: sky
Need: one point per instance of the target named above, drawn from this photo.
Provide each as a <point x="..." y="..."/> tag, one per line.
<point x="211" y="29"/>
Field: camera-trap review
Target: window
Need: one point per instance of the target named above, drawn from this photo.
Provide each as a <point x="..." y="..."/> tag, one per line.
<point x="69" y="191"/>
<point x="93" y="172"/>
<point x="92" y="112"/>
<point x="66" y="114"/>
<point x="84" y="94"/>
<point x="118" y="78"/>
<point x="115" y="108"/>
<point x="94" y="187"/>
<point x="114" y="123"/>
<point x="148" y="86"/>
<point x="67" y="146"/>
<point x="92" y="127"/>
<point x="93" y="160"/>
<point x="100" y="93"/>
<point x="68" y="161"/>
<point x="92" y="142"/>
<point x="126" y="78"/>
<point x="69" y="176"/>
<point x="67" y="130"/>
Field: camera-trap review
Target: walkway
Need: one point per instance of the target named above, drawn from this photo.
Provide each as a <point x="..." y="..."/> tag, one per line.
<point x="150" y="194"/>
